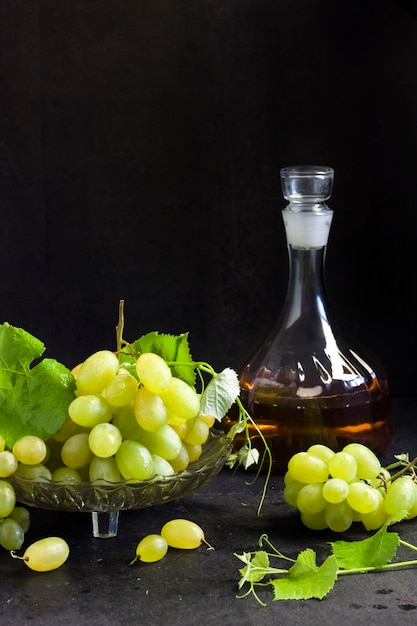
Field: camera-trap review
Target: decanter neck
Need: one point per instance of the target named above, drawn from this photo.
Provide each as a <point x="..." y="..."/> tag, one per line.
<point x="306" y="294"/>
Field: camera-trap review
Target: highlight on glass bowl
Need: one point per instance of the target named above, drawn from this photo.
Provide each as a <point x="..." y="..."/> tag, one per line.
<point x="127" y="429"/>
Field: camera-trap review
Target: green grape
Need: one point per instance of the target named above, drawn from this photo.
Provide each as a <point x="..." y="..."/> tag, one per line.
<point x="182" y="460"/>
<point x="104" y="470"/>
<point x="151" y="548"/>
<point x="2" y="443"/>
<point x="339" y="517"/>
<point x="90" y="410"/>
<point x="194" y="452"/>
<point x="335" y="490"/>
<point x="8" y="463"/>
<point x="362" y="497"/>
<point x="149" y="409"/>
<point x="38" y="472"/>
<point x="291" y="488"/>
<point x="96" y="372"/>
<point x="400" y="496"/>
<point x="321" y="451"/>
<point x="198" y="434"/>
<point x="153" y="372"/>
<point x="30" y="450"/>
<point x="310" y="498"/>
<point x="121" y="389"/>
<point x="210" y="420"/>
<point x="181" y="399"/>
<point x="46" y="554"/>
<point x="183" y="534"/>
<point x="76" y="453"/>
<point x="307" y="468"/>
<point x="7" y="498"/>
<point x="21" y="514"/>
<point x="378" y="517"/>
<point x="291" y="492"/>
<point x="343" y="465"/>
<point x="11" y="534"/>
<point x="134" y="461"/>
<point x="165" y="442"/>
<point x="104" y="440"/>
<point x="368" y="465"/>
<point x="174" y="420"/>
<point x="356" y="516"/>
<point x="66" y="475"/>
<point x="162" y="467"/>
<point x="126" y="422"/>
<point x="412" y="512"/>
<point x="182" y="427"/>
<point x="289" y="478"/>
<point x="314" y="521"/>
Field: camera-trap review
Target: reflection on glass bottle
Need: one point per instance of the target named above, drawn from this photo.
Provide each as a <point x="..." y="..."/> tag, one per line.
<point x="306" y="383"/>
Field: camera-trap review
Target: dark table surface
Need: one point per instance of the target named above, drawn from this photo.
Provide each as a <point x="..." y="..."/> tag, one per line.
<point x="97" y="584"/>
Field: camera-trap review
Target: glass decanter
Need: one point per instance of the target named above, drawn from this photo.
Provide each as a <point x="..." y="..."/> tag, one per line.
<point x="307" y="383"/>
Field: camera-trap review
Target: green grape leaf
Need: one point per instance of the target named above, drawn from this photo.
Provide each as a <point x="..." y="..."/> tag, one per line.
<point x="305" y="579"/>
<point x="173" y="348"/>
<point x="33" y="401"/>
<point x="256" y="567"/>
<point x="375" y="551"/>
<point x="248" y="456"/>
<point x="220" y="393"/>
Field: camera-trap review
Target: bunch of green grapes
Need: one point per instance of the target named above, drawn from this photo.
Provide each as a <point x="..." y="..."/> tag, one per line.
<point x="334" y="489"/>
<point x="45" y="554"/>
<point x="122" y="426"/>
<point x="119" y="427"/>
<point x="14" y="519"/>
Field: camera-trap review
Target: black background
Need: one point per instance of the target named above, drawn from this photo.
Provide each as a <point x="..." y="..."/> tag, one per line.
<point x="141" y="144"/>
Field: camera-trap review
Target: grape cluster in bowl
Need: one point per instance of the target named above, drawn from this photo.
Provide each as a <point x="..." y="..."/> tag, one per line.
<point x="129" y="441"/>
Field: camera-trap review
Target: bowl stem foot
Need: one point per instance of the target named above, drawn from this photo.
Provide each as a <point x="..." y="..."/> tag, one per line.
<point x="105" y="524"/>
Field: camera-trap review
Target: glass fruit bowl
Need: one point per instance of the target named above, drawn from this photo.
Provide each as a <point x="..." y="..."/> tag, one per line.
<point x="104" y="500"/>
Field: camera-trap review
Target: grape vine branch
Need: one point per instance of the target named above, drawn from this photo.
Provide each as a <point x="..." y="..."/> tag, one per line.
<point x="305" y="579"/>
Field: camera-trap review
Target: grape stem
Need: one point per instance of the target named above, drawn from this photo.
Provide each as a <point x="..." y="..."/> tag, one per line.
<point x="407" y="545"/>
<point x="16" y="556"/>
<point x="120" y="327"/>
<point x="209" y="546"/>
<point x="407" y="467"/>
<point x="246" y="419"/>
<point x="364" y="570"/>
